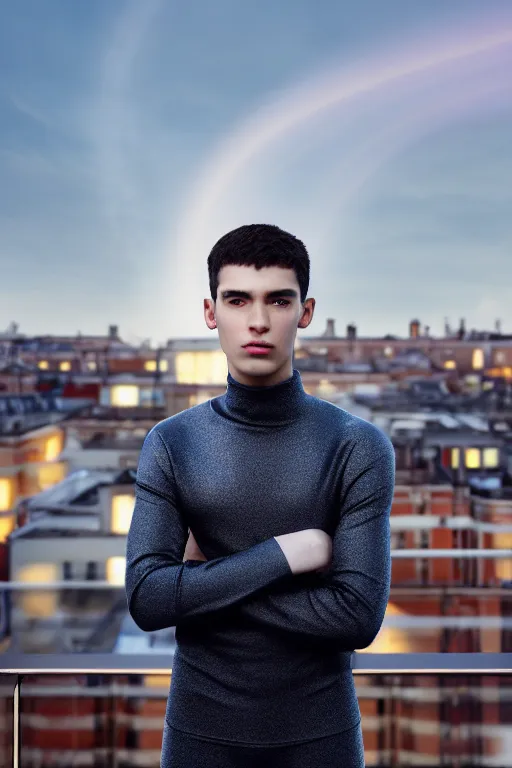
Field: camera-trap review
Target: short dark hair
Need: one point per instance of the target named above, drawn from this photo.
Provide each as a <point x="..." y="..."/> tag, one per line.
<point x="259" y="245"/>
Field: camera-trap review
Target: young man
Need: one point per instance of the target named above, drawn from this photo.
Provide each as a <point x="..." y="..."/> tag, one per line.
<point x="288" y="497"/>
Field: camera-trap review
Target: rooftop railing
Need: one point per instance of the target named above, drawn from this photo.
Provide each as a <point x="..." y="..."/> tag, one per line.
<point x="108" y="710"/>
<point x="435" y="687"/>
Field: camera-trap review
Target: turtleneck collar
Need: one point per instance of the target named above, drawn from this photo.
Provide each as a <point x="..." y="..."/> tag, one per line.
<point x="273" y="406"/>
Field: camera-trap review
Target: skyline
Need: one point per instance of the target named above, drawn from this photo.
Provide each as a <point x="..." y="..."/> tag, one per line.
<point x="381" y="139"/>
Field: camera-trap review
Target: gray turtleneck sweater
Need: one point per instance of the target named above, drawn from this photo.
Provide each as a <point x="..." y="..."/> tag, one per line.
<point x="263" y="655"/>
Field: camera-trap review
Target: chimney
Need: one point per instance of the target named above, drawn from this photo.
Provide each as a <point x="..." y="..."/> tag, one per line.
<point x="351" y="331"/>
<point x="113" y="331"/>
<point x="329" y="331"/>
<point x="414" y="329"/>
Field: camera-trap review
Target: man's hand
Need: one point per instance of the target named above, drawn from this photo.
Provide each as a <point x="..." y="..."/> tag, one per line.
<point x="192" y="551"/>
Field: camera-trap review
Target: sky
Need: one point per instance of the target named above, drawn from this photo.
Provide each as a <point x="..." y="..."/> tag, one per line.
<point x="135" y="133"/>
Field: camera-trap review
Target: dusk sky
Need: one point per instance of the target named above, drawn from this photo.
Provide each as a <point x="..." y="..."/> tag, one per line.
<point x="134" y="134"/>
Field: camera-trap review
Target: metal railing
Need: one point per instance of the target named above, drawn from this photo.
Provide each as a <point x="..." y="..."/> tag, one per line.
<point x="107" y="665"/>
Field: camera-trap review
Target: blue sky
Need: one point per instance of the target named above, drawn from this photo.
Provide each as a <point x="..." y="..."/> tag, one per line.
<point x="134" y="134"/>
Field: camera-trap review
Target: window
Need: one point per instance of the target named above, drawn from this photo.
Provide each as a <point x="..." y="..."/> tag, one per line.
<point x="478" y="359"/>
<point x="53" y="447"/>
<point x="201" y="367"/>
<point x="472" y="458"/>
<point x="49" y="475"/>
<point x="38" y="604"/>
<point x="6" y="493"/>
<point x="122" y="511"/>
<point x="116" y="567"/>
<point x="491" y="458"/>
<point x="124" y="395"/>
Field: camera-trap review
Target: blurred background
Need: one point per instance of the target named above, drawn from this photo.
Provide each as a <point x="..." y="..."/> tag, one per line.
<point x="133" y="134"/>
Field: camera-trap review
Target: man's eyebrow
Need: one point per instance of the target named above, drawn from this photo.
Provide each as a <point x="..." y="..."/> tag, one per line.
<point x="270" y="295"/>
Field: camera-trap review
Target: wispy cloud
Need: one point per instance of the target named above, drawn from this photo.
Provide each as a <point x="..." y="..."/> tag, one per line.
<point x="138" y="134"/>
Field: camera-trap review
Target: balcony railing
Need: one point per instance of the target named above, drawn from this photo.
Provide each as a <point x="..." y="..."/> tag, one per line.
<point x="108" y="710"/>
<point x="435" y="687"/>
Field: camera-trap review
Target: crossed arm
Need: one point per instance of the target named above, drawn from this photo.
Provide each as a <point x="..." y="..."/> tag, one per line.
<point x="346" y="605"/>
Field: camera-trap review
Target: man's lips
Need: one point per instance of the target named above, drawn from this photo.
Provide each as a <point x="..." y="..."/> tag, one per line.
<point x="260" y="349"/>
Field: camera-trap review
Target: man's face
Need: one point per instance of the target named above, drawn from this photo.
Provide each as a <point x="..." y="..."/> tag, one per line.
<point x="258" y="305"/>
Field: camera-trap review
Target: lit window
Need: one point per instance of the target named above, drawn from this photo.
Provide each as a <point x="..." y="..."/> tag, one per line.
<point x="92" y="365"/>
<point x="53" y="447"/>
<point x="6" y="527"/>
<point x="201" y="367"/>
<point x="455" y="458"/>
<point x="65" y="366"/>
<point x="38" y="604"/>
<point x="164" y="365"/>
<point x="116" y="569"/>
<point x="6" y="493"/>
<point x="450" y="365"/>
<point x="43" y="365"/>
<point x="122" y="511"/>
<point x="388" y="351"/>
<point x="491" y="457"/>
<point x="124" y="395"/>
<point x="478" y="358"/>
<point x="499" y="357"/>
<point x="49" y="475"/>
<point x="472" y="458"/>
<point x="150" y="365"/>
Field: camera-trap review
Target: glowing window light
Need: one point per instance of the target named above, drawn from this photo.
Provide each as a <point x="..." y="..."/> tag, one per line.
<point x="124" y="395"/>
<point x="6" y="527"/>
<point x="6" y="493"/>
<point x="122" y="512"/>
<point x="43" y="365"/>
<point x="53" y="447"/>
<point x="49" y="475"/>
<point x="38" y="604"/>
<point x="455" y="458"/>
<point x="116" y="569"/>
<point x="472" y="458"/>
<point x="450" y="365"/>
<point x="201" y="367"/>
<point x="491" y="457"/>
<point x="478" y="359"/>
<point x="65" y="366"/>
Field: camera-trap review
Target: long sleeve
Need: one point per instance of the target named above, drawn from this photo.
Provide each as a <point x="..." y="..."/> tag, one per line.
<point x="346" y="605"/>
<point x="161" y="590"/>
